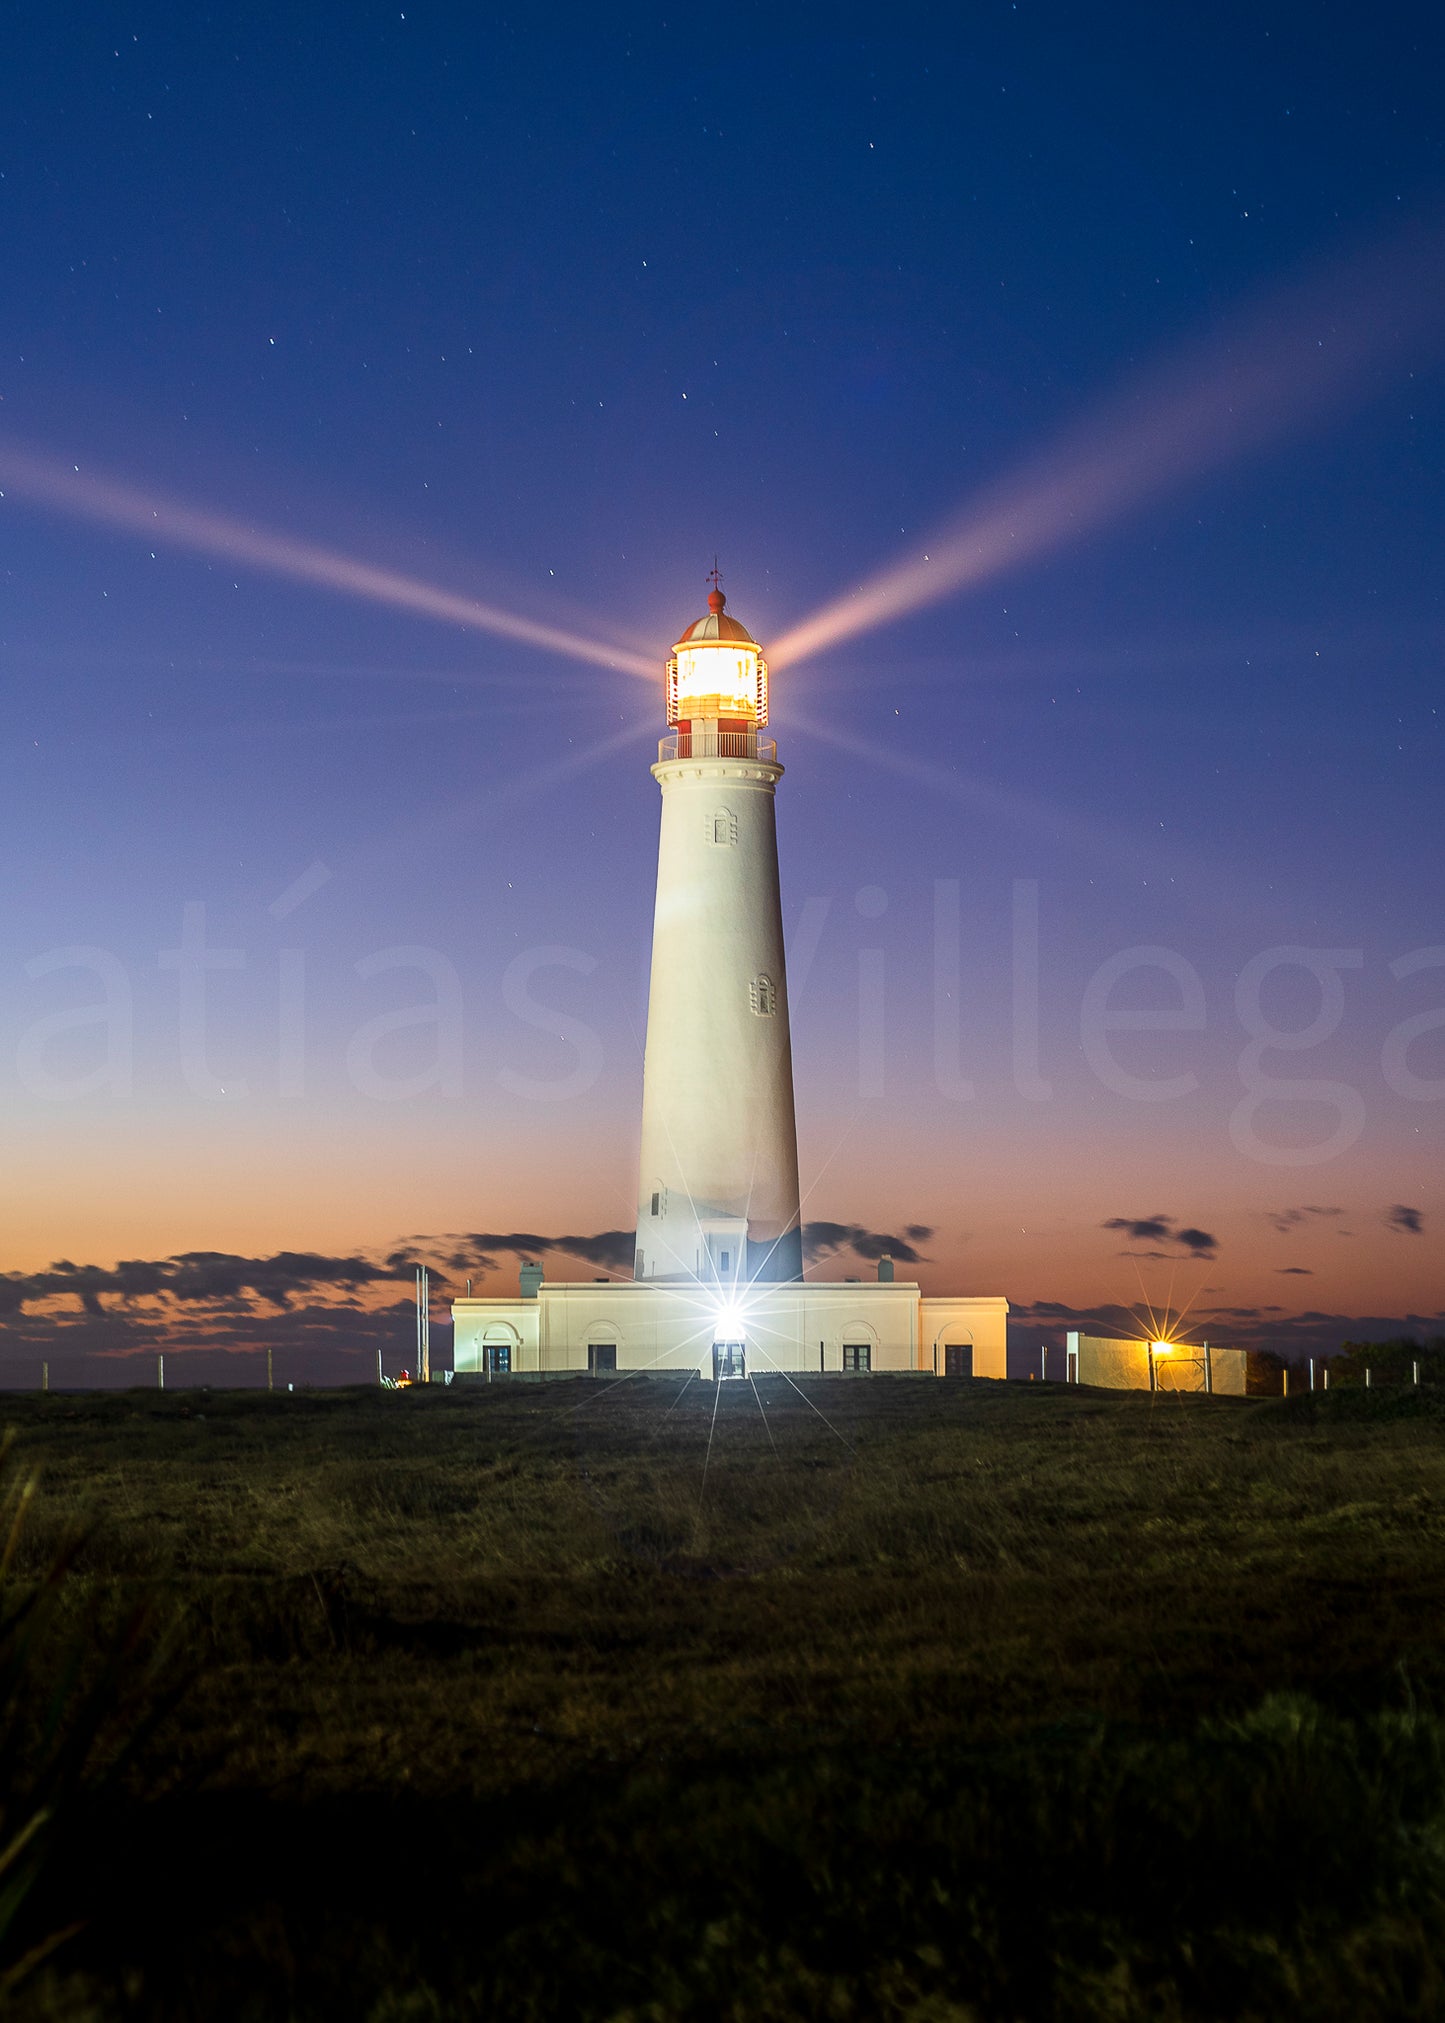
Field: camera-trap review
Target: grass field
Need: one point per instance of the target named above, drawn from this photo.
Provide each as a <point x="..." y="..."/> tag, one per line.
<point x="859" y="1699"/>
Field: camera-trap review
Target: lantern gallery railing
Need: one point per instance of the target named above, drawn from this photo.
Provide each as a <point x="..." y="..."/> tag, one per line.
<point x="717" y="745"/>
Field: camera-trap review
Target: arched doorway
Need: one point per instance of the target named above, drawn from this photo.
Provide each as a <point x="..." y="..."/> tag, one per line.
<point x="953" y="1353"/>
<point x="499" y="1347"/>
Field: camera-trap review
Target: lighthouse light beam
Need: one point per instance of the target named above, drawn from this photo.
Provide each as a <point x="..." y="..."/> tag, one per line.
<point x="66" y="489"/>
<point x="1266" y="374"/>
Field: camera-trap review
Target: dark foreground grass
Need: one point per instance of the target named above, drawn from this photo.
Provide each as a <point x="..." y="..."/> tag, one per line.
<point x="615" y="1700"/>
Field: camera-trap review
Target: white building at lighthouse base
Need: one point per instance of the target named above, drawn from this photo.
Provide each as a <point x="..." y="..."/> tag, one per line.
<point x="830" y="1327"/>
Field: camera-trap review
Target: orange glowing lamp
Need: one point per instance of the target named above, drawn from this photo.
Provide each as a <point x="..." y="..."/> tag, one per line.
<point x="717" y="673"/>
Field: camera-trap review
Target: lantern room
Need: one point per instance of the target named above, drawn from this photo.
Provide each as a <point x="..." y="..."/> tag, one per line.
<point x="717" y="673"/>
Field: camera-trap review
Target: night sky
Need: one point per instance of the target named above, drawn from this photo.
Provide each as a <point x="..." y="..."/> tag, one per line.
<point x="1079" y="369"/>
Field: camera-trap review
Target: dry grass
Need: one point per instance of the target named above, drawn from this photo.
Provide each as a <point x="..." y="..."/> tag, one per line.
<point x="545" y="1646"/>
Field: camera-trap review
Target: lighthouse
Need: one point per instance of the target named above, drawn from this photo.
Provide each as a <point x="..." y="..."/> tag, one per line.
<point x="718" y="1179"/>
<point x="717" y="1288"/>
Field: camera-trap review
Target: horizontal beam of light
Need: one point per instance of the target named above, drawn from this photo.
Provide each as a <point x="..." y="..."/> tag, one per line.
<point x="63" y="488"/>
<point x="1264" y="375"/>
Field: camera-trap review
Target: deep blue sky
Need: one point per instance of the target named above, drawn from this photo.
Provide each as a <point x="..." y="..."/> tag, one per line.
<point x="549" y="315"/>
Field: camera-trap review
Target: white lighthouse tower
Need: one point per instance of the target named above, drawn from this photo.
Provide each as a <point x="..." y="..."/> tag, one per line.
<point x="717" y="1287"/>
<point x="718" y="1183"/>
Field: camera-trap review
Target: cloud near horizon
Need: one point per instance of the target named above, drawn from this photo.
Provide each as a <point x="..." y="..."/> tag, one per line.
<point x="477" y="1252"/>
<point x="1164" y="1229"/>
<point x="823" y="1239"/>
<point x="1408" y="1221"/>
<point x="1283" y="1220"/>
<point x="195" y="1277"/>
<point x="222" y="1284"/>
<point x="613" y="1249"/>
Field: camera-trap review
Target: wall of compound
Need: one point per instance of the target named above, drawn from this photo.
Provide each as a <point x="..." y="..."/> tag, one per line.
<point x="1112" y="1364"/>
<point x="802" y="1328"/>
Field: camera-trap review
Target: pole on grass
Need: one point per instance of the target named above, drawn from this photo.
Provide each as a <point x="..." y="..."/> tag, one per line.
<point x="1415" y="1373"/>
<point x="1284" y="1381"/>
<point x="378" y="1366"/>
<point x="425" y="1325"/>
<point x="1312" y="1372"/>
<point x="1369" y="1373"/>
<point x="160" y="1373"/>
<point x="45" y="1376"/>
<point x="270" y="1370"/>
<point x="1327" y="1376"/>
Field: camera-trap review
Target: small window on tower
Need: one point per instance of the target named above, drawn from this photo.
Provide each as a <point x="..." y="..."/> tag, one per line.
<point x="657" y="1204"/>
<point x="764" y="994"/>
<point x="725" y="1261"/>
<point x="722" y="827"/>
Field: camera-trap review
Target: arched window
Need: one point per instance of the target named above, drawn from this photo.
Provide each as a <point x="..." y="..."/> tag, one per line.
<point x="722" y="826"/>
<point x="602" y="1344"/>
<point x="764" y="995"/>
<point x="859" y="1348"/>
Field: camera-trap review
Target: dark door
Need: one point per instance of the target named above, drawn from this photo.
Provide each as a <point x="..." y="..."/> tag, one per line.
<point x="958" y="1359"/>
<point x="729" y="1360"/>
<point x="601" y="1358"/>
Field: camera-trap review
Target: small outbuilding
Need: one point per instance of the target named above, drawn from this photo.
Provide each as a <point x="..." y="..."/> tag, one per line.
<point x="1114" y="1364"/>
<point x="844" y="1327"/>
